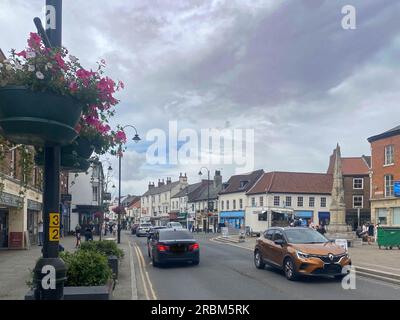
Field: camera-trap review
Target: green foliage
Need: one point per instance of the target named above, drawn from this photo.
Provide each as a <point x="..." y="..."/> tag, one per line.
<point x="105" y="247"/>
<point x="86" y="268"/>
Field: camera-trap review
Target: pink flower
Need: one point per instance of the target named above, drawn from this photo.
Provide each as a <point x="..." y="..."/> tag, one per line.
<point x="73" y="86"/>
<point x="59" y="60"/>
<point x="121" y="84"/>
<point x="22" y="54"/>
<point x="34" y="40"/>
<point x="106" y="86"/>
<point x="120" y="136"/>
<point x="84" y="74"/>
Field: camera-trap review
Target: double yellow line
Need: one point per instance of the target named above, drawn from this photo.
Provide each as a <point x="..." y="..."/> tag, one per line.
<point x="147" y="285"/>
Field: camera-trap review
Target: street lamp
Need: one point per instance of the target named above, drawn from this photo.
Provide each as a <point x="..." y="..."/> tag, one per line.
<point x="136" y="139"/>
<point x="208" y="195"/>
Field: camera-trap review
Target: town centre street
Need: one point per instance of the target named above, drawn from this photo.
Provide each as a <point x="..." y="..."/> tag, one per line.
<point x="228" y="272"/>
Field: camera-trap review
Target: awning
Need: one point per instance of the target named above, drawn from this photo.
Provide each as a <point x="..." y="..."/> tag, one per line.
<point x="231" y="214"/>
<point x="303" y="214"/>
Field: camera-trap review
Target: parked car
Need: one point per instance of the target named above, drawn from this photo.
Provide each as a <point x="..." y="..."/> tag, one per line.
<point x="174" y="225"/>
<point x="134" y="228"/>
<point x="173" y="245"/>
<point x="300" y="251"/>
<point x="143" y="229"/>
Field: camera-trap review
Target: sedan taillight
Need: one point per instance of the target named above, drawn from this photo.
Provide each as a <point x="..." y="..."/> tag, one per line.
<point x="162" y="248"/>
<point x="194" y="246"/>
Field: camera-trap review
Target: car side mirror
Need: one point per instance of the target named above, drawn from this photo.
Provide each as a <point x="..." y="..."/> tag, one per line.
<point x="279" y="242"/>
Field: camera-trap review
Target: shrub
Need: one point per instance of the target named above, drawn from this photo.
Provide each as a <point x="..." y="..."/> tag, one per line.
<point x="86" y="268"/>
<point x="105" y="247"/>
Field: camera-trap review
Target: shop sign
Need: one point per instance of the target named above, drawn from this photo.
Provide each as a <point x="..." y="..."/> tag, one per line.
<point x="33" y="205"/>
<point x="66" y="197"/>
<point x="10" y="200"/>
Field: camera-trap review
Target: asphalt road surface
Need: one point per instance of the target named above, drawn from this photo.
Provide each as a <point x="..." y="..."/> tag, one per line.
<point x="228" y="272"/>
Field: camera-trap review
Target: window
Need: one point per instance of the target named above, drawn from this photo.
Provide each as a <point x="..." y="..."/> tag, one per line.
<point x="389" y="186"/>
<point x="14" y="163"/>
<point x="261" y="201"/>
<point x="263" y="216"/>
<point x="95" y="193"/>
<point x="234" y="204"/>
<point x="278" y="236"/>
<point x="243" y="184"/>
<point x="165" y="196"/>
<point x="241" y="203"/>
<point x="268" y="234"/>
<point x="358" y="202"/>
<point x="253" y="202"/>
<point x="222" y="205"/>
<point x="358" y="183"/>
<point x="311" y="202"/>
<point x="389" y="155"/>
<point x="159" y="197"/>
<point x="227" y="204"/>
<point x="323" y="202"/>
<point x="300" y="201"/>
<point x="382" y="215"/>
<point x="192" y="207"/>
<point x="277" y="201"/>
<point x="396" y="216"/>
<point x="288" y="202"/>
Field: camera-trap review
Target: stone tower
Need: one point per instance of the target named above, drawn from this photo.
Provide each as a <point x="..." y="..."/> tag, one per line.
<point x="337" y="228"/>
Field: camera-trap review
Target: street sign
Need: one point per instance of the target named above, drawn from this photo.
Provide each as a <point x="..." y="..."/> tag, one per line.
<point x="54" y="227"/>
<point x="66" y="197"/>
<point x="224" y="231"/>
<point x="107" y="196"/>
<point x="396" y="188"/>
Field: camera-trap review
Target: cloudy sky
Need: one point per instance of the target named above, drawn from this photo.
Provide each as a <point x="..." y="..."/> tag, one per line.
<point x="286" y="69"/>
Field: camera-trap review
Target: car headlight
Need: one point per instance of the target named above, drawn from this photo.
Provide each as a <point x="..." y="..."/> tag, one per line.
<point x="302" y="255"/>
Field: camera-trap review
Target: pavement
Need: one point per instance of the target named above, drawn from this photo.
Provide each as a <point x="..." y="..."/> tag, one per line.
<point x="16" y="267"/>
<point x="227" y="272"/>
<point x="369" y="260"/>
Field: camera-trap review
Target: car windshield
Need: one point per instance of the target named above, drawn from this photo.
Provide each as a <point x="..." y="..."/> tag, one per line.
<point x="175" y="224"/>
<point x="145" y="225"/>
<point x="175" y="235"/>
<point x="305" y="236"/>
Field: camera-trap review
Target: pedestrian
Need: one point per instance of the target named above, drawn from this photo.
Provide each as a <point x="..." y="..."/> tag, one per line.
<point x="88" y="234"/>
<point x="114" y="230"/>
<point x="371" y="233"/>
<point x="110" y="227"/>
<point x="40" y="230"/>
<point x="61" y="229"/>
<point x="78" y="235"/>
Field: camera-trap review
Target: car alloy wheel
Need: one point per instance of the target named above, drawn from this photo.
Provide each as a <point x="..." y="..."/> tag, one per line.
<point x="258" y="261"/>
<point x="289" y="269"/>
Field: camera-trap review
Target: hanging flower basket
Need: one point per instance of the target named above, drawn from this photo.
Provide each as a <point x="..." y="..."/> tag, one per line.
<point x="38" y="118"/>
<point x="69" y="163"/>
<point x="81" y="147"/>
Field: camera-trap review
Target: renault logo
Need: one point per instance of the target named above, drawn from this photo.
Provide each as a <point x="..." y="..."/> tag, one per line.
<point x="330" y="256"/>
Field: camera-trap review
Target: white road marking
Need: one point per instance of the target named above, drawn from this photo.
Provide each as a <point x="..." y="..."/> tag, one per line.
<point x="141" y="273"/>
<point x="133" y="274"/>
<point x="146" y="274"/>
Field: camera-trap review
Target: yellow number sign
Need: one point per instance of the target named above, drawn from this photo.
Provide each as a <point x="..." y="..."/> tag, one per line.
<point x="54" y="227"/>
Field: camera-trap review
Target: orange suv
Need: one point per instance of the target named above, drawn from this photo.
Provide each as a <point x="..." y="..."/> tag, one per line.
<point x="300" y="251"/>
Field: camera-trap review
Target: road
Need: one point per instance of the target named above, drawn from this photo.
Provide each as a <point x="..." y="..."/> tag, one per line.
<point x="227" y="272"/>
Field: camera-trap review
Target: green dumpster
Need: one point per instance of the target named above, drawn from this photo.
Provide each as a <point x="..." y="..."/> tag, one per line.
<point x="389" y="237"/>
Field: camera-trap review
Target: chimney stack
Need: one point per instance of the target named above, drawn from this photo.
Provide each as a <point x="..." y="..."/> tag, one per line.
<point x="151" y="185"/>
<point x="168" y="180"/>
<point x="217" y="179"/>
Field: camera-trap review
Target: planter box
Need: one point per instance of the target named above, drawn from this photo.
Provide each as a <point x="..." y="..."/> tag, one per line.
<point x="83" y="293"/>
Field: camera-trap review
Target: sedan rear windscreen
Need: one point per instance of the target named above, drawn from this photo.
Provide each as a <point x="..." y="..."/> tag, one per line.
<point x="175" y="235"/>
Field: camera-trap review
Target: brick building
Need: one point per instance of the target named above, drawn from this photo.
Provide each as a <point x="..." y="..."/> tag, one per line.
<point x="356" y="182"/>
<point x="385" y="172"/>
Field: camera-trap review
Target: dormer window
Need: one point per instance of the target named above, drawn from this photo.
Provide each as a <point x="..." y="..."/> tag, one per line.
<point x="243" y="184"/>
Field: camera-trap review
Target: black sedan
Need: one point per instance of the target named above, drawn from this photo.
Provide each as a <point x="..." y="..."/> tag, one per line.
<point x="173" y="245"/>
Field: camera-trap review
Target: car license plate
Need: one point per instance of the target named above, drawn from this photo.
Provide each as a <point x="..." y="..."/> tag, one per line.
<point x="178" y="248"/>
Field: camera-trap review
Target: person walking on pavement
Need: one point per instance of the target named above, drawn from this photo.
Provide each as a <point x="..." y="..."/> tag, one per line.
<point x="370" y="233"/>
<point x="78" y="235"/>
<point x="40" y="230"/>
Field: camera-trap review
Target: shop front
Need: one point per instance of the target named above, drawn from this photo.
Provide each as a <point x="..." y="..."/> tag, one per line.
<point x="305" y="216"/>
<point x="180" y="217"/>
<point x="233" y="219"/>
<point x="324" y="218"/>
<point x="3" y="228"/>
<point x="34" y="216"/>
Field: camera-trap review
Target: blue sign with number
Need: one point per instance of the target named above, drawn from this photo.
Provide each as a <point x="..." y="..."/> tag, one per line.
<point x="396" y="188"/>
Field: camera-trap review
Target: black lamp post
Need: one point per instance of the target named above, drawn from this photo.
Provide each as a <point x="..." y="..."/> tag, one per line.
<point x="50" y="266"/>
<point x="208" y="195"/>
<point x="136" y="139"/>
